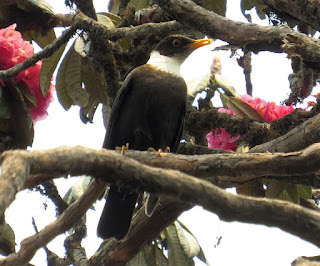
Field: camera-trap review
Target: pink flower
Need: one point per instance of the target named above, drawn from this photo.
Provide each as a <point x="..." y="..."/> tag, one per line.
<point x="270" y="111"/>
<point x="222" y="139"/>
<point x="14" y="50"/>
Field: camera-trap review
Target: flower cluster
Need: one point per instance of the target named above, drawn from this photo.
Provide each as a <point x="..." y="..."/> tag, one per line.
<point x="14" y="50"/>
<point x="270" y="111"/>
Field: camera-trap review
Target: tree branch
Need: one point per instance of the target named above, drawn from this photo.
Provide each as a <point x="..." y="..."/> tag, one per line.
<point x="74" y="212"/>
<point x="251" y="36"/>
<point x="126" y="172"/>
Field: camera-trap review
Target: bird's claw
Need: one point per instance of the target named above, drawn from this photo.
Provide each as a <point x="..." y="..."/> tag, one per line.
<point x="167" y="150"/>
<point x="123" y="148"/>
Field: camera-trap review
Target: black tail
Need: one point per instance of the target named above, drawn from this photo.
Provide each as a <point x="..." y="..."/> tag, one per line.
<point x="117" y="213"/>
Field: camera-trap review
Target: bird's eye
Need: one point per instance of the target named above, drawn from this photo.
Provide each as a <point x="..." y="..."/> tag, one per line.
<point x="176" y="43"/>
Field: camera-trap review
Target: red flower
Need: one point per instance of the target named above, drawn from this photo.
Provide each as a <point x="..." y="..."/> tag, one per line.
<point x="270" y="111"/>
<point x="14" y="50"/>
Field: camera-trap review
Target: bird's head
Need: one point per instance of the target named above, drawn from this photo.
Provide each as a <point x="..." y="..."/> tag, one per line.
<point x="179" y="47"/>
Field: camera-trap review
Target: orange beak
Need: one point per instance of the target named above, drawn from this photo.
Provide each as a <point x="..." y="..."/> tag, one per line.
<point x="199" y="43"/>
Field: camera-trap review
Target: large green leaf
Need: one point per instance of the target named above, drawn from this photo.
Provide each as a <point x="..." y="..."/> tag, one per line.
<point x="287" y="191"/>
<point x="217" y="6"/>
<point x="176" y="253"/>
<point x="77" y="190"/>
<point x="39" y="38"/>
<point x="19" y="122"/>
<point x="189" y="243"/>
<point x="48" y="67"/>
<point x="138" y="4"/>
<point x="31" y="4"/>
<point x="7" y="239"/>
<point x="150" y="254"/>
<point x="200" y="253"/>
<point x="241" y="108"/>
<point x="69" y="82"/>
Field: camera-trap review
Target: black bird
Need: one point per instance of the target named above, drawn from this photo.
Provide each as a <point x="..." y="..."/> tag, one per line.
<point x="148" y="111"/>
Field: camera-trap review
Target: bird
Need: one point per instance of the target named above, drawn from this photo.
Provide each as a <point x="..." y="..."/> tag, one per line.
<point x="148" y="111"/>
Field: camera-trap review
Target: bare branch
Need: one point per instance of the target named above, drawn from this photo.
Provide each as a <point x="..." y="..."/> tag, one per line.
<point x="74" y="212"/>
<point x="298" y="138"/>
<point x="251" y="36"/>
<point x="303" y="10"/>
<point x="123" y="171"/>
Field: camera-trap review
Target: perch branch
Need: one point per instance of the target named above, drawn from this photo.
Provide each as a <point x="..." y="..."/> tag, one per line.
<point x="126" y="172"/>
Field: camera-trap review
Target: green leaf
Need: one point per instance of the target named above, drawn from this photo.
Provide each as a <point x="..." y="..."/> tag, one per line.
<point x="150" y="254"/>
<point x="7" y="239"/>
<point x="116" y="20"/>
<point x="41" y="40"/>
<point x="4" y="106"/>
<point x="138" y="4"/>
<point x="247" y="5"/>
<point x="189" y="243"/>
<point x="242" y="109"/>
<point x="48" y="67"/>
<point x="176" y="254"/>
<point x="217" y="6"/>
<point x="29" y="98"/>
<point x="20" y="122"/>
<point x="287" y="191"/>
<point x="69" y="83"/>
<point x="31" y="4"/>
<point x="105" y="20"/>
<point x="200" y="254"/>
<point x="77" y="190"/>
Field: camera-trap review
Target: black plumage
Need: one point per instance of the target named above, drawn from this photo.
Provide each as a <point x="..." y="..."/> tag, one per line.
<point x="148" y="111"/>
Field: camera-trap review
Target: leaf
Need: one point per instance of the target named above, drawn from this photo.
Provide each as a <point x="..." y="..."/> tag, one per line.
<point x="247" y="5"/>
<point x="242" y="109"/>
<point x="77" y="190"/>
<point x="217" y="6"/>
<point x="29" y="98"/>
<point x="150" y="254"/>
<point x="106" y="20"/>
<point x="4" y="106"/>
<point x="175" y="251"/>
<point x="189" y="243"/>
<point x="47" y="68"/>
<point x="200" y="254"/>
<point x="31" y="4"/>
<point x="94" y="81"/>
<point x="69" y="83"/>
<point x="287" y="191"/>
<point x="41" y="40"/>
<point x="7" y="239"/>
<point x="20" y="123"/>
<point x="116" y="20"/>
<point x="138" y="4"/>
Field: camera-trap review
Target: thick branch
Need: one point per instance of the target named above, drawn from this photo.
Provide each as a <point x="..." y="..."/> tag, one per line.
<point x="254" y="37"/>
<point x="123" y="171"/>
<point x="303" y="10"/>
<point x="298" y="138"/>
<point x="113" y="34"/>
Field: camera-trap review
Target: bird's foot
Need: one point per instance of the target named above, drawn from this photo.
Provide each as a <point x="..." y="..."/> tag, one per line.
<point x="167" y="150"/>
<point x="123" y="148"/>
